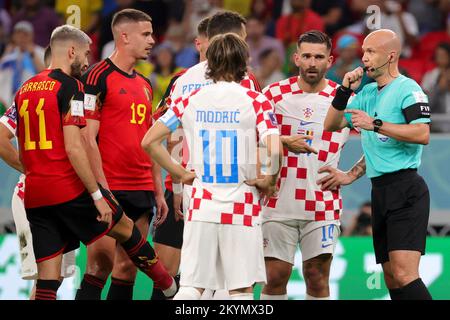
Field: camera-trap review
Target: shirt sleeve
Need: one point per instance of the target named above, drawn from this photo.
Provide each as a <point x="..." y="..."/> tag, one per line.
<point x="266" y="122"/>
<point x="172" y="118"/>
<point x="9" y="119"/>
<point x="414" y="103"/>
<point x="94" y="93"/>
<point x="165" y="102"/>
<point x="71" y="103"/>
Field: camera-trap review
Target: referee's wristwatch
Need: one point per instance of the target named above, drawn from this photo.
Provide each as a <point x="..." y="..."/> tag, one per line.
<point x="377" y="123"/>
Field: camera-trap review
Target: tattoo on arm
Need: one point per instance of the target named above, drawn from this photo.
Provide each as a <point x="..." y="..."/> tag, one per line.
<point x="359" y="169"/>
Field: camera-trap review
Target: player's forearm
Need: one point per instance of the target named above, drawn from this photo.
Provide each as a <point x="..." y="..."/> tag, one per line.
<point x="95" y="158"/>
<point x="160" y="155"/>
<point x="413" y="133"/>
<point x="334" y="120"/>
<point x="358" y="170"/>
<point x="157" y="179"/>
<point x="274" y="150"/>
<point x="10" y="155"/>
<point x="78" y="158"/>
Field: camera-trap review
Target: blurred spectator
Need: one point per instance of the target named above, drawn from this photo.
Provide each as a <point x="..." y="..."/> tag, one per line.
<point x="403" y="23"/>
<point x="258" y="42"/>
<point x="4" y="34"/>
<point x="262" y="9"/>
<point x="361" y="224"/>
<point x="430" y="14"/>
<point x="90" y="12"/>
<point x="240" y="6"/>
<point x="290" y="27"/>
<point x="185" y="54"/>
<point x="22" y="60"/>
<point x="165" y="69"/>
<point x="269" y="70"/>
<point x="348" y="60"/>
<point x="436" y="83"/>
<point x="331" y="13"/>
<point x="5" y="21"/>
<point x="105" y="28"/>
<point x="197" y="10"/>
<point x="43" y="19"/>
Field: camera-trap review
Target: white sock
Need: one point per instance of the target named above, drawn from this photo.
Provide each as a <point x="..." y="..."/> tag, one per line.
<point x="308" y="297"/>
<point x="242" y="296"/>
<point x="273" y="296"/>
<point x="170" y="292"/>
<point x="188" y="293"/>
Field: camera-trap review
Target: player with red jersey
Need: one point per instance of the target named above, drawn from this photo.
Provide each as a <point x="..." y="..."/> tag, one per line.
<point x="63" y="201"/>
<point x="118" y="113"/>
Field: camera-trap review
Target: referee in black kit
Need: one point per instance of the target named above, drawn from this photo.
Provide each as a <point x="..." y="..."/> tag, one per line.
<point x="393" y="115"/>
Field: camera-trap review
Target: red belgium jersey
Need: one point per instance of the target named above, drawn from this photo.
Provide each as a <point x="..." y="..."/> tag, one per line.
<point x="44" y="104"/>
<point x="122" y="104"/>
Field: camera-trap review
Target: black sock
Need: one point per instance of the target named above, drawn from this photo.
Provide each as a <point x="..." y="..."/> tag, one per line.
<point x="46" y="289"/>
<point x="120" y="290"/>
<point x="396" y="294"/>
<point x="145" y="258"/>
<point x="416" y="290"/>
<point x="90" y="288"/>
<point x="157" y="294"/>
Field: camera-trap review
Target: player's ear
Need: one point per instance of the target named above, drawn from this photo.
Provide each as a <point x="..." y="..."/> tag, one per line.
<point x="71" y="52"/>
<point x="124" y="37"/>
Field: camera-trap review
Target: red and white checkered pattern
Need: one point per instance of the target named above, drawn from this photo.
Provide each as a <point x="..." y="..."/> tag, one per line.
<point x="9" y="119"/>
<point x="195" y="77"/>
<point x="213" y="200"/>
<point x="203" y="206"/>
<point x="297" y="111"/>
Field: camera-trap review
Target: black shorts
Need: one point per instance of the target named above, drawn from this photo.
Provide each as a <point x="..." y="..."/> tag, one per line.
<point x="170" y="232"/>
<point x="400" y="211"/>
<point x="59" y="228"/>
<point x="136" y="203"/>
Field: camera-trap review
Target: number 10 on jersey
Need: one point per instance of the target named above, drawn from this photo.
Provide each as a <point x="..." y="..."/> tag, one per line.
<point x="216" y="159"/>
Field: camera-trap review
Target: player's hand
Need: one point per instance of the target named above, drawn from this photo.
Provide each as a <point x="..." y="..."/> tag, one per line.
<point x="266" y="188"/>
<point x="361" y="120"/>
<point x="104" y="211"/>
<point x="334" y="179"/>
<point x="188" y="178"/>
<point x="353" y="78"/>
<point x="161" y="210"/>
<point x="297" y="144"/>
<point x="177" y="205"/>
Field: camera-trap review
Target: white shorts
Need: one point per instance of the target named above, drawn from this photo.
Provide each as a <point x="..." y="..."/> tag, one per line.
<point x="219" y="256"/>
<point x="29" y="267"/>
<point x="315" y="238"/>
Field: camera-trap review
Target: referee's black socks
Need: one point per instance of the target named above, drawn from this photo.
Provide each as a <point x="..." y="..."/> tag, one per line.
<point x="416" y="290"/>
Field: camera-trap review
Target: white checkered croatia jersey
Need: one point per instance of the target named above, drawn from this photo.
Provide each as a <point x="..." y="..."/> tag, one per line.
<point x="298" y="112"/>
<point x="222" y="124"/>
<point x="194" y="78"/>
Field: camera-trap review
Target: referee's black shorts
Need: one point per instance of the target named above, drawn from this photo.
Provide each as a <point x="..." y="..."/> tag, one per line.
<point x="400" y="211"/>
<point x="170" y="232"/>
<point x="59" y="228"/>
<point x="136" y="203"/>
